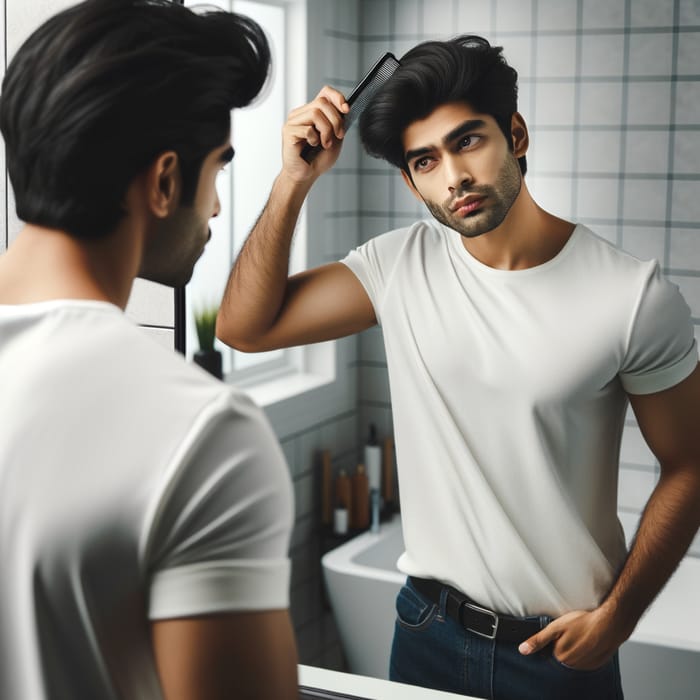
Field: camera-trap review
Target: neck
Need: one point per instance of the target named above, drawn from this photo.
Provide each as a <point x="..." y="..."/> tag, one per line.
<point x="43" y="264"/>
<point x="527" y="237"/>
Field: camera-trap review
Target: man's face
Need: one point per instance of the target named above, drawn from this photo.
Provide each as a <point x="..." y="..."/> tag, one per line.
<point x="462" y="168"/>
<point x="179" y="240"/>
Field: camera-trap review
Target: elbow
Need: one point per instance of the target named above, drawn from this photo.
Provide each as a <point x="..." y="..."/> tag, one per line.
<point x="229" y="337"/>
<point x="225" y="335"/>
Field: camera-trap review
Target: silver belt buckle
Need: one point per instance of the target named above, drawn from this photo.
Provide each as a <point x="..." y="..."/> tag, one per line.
<point x="491" y="613"/>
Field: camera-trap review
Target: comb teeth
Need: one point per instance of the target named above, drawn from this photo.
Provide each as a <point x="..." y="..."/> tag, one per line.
<point x="361" y="96"/>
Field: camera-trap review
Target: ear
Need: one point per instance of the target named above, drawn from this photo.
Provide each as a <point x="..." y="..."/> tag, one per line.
<point x="407" y="179"/>
<point x="519" y="134"/>
<point x="163" y="184"/>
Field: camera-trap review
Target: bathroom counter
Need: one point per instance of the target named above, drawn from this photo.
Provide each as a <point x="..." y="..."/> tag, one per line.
<point x="365" y="688"/>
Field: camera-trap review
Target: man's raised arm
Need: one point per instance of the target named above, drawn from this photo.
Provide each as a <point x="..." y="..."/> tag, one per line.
<point x="262" y="307"/>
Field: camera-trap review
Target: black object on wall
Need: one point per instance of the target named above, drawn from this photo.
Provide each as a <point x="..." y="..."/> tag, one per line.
<point x="180" y="334"/>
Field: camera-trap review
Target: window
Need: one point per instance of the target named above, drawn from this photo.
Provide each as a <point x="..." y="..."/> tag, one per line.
<point x="243" y="187"/>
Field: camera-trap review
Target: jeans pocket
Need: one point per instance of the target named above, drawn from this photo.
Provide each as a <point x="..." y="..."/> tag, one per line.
<point x="412" y="612"/>
<point x="606" y="667"/>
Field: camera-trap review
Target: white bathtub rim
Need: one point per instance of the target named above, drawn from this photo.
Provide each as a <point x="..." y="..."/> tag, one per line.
<point x="677" y="604"/>
<point x="340" y="559"/>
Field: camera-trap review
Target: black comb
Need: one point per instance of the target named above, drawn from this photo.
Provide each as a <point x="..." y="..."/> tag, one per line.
<point x="360" y="96"/>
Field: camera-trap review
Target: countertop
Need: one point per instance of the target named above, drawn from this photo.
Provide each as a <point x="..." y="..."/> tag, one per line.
<point x="365" y="688"/>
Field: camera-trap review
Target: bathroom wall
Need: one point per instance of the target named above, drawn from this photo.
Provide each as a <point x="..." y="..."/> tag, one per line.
<point x="610" y="90"/>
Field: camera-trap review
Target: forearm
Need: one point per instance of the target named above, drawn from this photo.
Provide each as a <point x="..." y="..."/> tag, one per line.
<point x="256" y="286"/>
<point x="587" y="639"/>
<point x="667" y="527"/>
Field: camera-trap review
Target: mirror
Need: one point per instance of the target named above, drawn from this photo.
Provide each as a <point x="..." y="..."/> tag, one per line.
<point x="601" y="144"/>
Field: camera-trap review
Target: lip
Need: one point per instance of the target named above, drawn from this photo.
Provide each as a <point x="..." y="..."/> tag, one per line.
<point x="466" y="205"/>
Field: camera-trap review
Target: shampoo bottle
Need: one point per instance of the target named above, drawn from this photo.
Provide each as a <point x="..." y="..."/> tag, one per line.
<point x="343" y="493"/>
<point x="360" y="499"/>
<point x="373" y="460"/>
<point x="343" y="503"/>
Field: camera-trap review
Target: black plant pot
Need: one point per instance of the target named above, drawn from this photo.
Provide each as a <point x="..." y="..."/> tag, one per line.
<point x="209" y="360"/>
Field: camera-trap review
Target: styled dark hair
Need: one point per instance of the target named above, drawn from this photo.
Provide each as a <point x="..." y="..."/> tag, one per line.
<point x="463" y="69"/>
<point x="102" y="88"/>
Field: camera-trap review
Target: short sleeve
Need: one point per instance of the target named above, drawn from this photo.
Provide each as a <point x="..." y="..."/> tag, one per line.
<point x="365" y="263"/>
<point x="661" y="350"/>
<point x="220" y="533"/>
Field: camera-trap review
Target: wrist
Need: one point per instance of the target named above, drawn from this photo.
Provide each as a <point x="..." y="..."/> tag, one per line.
<point x="292" y="188"/>
<point x="617" y="620"/>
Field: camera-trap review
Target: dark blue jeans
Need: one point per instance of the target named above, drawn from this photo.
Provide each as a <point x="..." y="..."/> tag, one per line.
<point x="434" y="651"/>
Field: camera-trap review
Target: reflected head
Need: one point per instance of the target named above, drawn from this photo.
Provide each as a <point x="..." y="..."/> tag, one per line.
<point x="102" y="88"/>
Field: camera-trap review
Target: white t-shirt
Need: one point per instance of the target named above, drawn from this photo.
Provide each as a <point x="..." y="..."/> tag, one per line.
<point x="133" y="486"/>
<point x="509" y="398"/>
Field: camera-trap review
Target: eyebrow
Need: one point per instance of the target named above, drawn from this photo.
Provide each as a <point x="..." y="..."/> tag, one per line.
<point x="458" y="131"/>
<point x="227" y="155"/>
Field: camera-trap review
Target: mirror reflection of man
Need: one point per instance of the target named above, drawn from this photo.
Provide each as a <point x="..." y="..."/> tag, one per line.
<point x="145" y="508"/>
<point x="515" y="341"/>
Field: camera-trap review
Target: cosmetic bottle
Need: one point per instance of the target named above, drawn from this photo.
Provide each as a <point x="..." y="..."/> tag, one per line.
<point x="340" y="521"/>
<point x="343" y="492"/>
<point x="373" y="460"/>
<point x="388" y="475"/>
<point x="326" y="488"/>
<point x="360" y="499"/>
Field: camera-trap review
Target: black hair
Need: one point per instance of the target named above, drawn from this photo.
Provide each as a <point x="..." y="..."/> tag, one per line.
<point x="101" y="89"/>
<point x="463" y="69"/>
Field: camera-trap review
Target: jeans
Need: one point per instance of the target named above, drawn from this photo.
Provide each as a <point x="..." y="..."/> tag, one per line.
<point x="434" y="651"/>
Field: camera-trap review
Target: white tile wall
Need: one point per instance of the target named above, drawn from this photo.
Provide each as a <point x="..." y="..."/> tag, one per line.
<point x="602" y="55"/>
<point x="646" y="150"/>
<point x="651" y="14"/>
<point x="651" y="54"/>
<point x="600" y="104"/>
<point x="599" y="151"/>
<point x="644" y="242"/>
<point x="556" y="56"/>
<point x="603" y="14"/>
<point x="685" y="249"/>
<point x="434" y="14"/>
<point x="649" y="103"/>
<point x="474" y="17"/>
<point x="556" y="15"/>
<point x="686" y="152"/>
<point x="645" y="200"/>
<point x="554" y="104"/>
<point x="597" y="197"/>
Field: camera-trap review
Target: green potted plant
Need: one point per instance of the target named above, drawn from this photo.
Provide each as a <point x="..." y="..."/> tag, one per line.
<point x="207" y="356"/>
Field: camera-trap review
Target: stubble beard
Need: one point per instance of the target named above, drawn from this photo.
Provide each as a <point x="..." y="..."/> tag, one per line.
<point x="499" y="199"/>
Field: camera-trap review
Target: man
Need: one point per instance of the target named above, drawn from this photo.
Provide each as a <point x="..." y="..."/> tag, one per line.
<point x="507" y="415"/>
<point x="145" y="508"/>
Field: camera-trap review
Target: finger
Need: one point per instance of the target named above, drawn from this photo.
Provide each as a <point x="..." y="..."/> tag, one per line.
<point x="335" y="97"/>
<point x="322" y="116"/>
<point x="303" y="134"/>
<point x="540" y="640"/>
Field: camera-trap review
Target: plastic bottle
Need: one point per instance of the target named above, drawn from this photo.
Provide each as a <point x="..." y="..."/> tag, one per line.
<point x="373" y="460"/>
<point x="343" y="503"/>
<point x="326" y="488"/>
<point x="343" y="493"/>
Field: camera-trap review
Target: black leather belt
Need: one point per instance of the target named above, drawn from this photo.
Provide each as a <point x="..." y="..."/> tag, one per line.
<point x="473" y="617"/>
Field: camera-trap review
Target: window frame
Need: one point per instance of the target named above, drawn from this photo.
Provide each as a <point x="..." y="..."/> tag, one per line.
<point x="293" y="370"/>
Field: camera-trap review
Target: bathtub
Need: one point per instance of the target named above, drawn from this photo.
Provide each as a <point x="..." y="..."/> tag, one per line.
<point x="661" y="659"/>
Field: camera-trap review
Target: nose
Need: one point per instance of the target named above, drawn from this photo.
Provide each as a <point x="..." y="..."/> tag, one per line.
<point x="217" y="206"/>
<point x="457" y="174"/>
